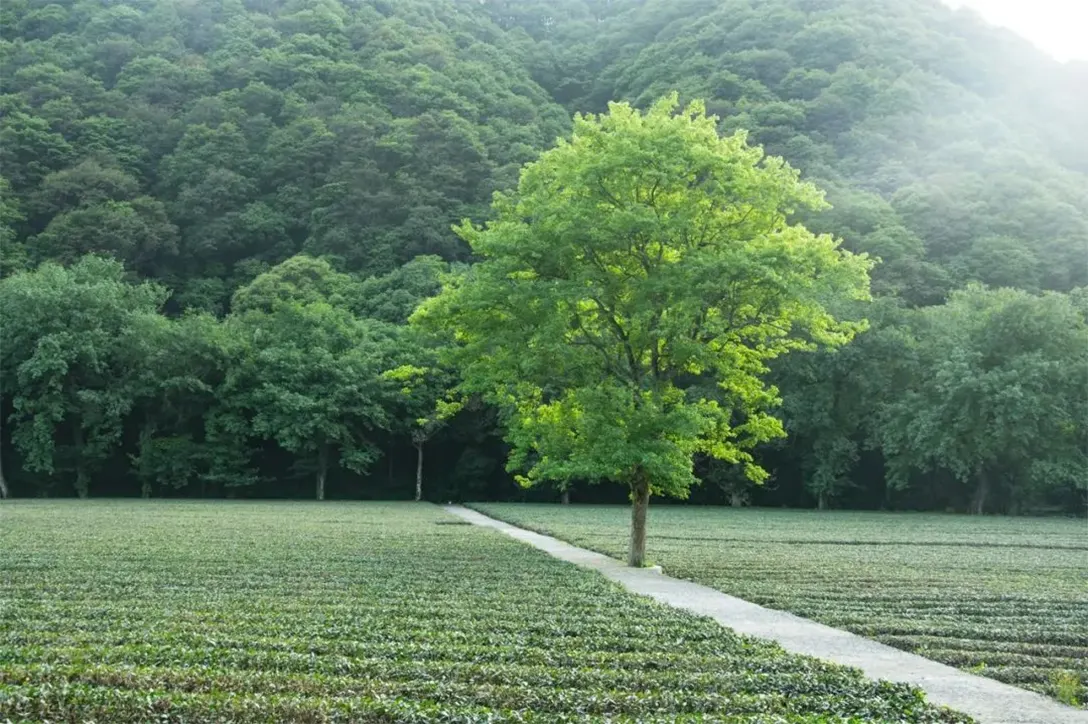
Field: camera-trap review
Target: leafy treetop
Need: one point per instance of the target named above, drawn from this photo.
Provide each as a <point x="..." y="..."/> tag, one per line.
<point x="642" y="254"/>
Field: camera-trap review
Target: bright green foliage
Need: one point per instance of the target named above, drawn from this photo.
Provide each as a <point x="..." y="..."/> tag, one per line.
<point x="324" y="614"/>
<point x="645" y="251"/>
<point x="64" y="340"/>
<point x="1003" y="597"/>
<point x="301" y="280"/>
<point x="998" y="397"/>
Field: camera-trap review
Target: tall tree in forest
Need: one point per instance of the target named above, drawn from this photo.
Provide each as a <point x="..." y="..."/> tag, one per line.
<point x="420" y="410"/>
<point x="422" y="406"/>
<point x="63" y="344"/>
<point x="644" y="251"/>
<point x="177" y="365"/>
<point x="998" y="397"/>
<point x="830" y="400"/>
<point x="308" y="376"/>
<point x="301" y="279"/>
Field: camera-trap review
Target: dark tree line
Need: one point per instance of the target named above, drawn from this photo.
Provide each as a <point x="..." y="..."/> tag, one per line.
<point x="216" y="218"/>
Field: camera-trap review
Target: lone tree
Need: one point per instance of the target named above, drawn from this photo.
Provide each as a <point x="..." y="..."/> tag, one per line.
<point x="635" y="262"/>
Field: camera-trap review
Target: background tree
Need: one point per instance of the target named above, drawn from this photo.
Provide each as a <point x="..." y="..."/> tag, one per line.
<point x="833" y="396"/>
<point x="394" y="296"/>
<point x="301" y="280"/>
<point x="999" y="399"/>
<point x="179" y="364"/>
<point x="420" y="410"/>
<point x="730" y="479"/>
<point x="12" y="253"/>
<point x="65" y="337"/>
<point x="644" y="250"/>
<point x="308" y="376"/>
<point x="422" y="404"/>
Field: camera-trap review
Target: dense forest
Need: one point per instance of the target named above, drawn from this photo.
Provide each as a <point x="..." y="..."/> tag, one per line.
<point x="217" y="216"/>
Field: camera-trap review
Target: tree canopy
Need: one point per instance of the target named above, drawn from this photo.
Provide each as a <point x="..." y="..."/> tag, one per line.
<point x="64" y="341"/>
<point x="1003" y="399"/>
<point x="644" y="254"/>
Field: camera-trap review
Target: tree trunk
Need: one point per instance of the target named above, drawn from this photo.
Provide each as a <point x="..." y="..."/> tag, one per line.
<point x="82" y="479"/>
<point x="83" y="485"/>
<point x="640" y="501"/>
<point x="419" y="471"/>
<point x="736" y="500"/>
<point x="3" y="484"/>
<point x="564" y="496"/>
<point x="978" y="502"/>
<point x="146" y="433"/>
<point x="322" y="469"/>
<point x="821" y="501"/>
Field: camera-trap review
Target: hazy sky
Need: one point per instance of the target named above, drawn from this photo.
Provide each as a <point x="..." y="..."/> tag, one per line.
<point x="1060" y="27"/>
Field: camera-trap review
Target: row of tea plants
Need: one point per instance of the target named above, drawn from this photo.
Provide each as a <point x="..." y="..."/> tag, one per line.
<point x="1002" y="597"/>
<point x="173" y="611"/>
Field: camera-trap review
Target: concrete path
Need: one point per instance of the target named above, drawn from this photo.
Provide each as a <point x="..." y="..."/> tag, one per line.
<point x="989" y="701"/>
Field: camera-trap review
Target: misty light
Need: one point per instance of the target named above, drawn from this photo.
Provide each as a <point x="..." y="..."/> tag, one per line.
<point x="1058" y="27"/>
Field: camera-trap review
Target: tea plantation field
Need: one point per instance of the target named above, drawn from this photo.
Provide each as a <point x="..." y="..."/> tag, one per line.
<point x="1003" y="597"/>
<point x="219" y="611"/>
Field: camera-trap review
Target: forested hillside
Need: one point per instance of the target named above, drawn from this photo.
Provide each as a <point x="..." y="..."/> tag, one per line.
<point x="268" y="189"/>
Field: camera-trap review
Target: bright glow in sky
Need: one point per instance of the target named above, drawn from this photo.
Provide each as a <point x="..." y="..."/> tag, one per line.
<point x="1059" y="27"/>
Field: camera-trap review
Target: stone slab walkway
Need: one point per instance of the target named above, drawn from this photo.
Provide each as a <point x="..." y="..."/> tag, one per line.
<point x="989" y="701"/>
